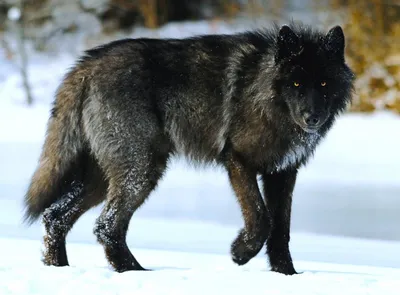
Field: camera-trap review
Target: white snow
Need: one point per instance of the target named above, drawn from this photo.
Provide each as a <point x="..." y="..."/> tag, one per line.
<point x="181" y="273"/>
<point x="345" y="223"/>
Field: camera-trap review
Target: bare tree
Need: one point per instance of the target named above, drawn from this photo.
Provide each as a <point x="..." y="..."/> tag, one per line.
<point x="16" y="16"/>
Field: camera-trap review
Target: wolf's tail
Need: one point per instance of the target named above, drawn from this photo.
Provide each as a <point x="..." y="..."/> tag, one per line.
<point x="62" y="149"/>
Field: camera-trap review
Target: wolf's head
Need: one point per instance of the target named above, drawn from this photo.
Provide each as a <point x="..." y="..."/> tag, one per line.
<point x="312" y="77"/>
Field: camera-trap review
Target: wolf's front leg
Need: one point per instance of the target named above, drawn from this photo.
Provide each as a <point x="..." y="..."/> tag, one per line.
<point x="278" y="190"/>
<point x="256" y="218"/>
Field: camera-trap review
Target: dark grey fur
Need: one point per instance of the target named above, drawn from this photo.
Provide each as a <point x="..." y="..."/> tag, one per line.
<point x="257" y="103"/>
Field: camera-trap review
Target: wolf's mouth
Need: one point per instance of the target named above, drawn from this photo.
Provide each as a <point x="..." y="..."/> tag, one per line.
<point x="310" y="129"/>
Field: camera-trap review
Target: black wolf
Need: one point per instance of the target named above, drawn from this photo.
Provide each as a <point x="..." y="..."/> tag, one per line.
<point x="256" y="102"/>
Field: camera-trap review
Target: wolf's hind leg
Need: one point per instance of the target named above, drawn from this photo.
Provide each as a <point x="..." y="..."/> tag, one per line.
<point x="59" y="218"/>
<point x="127" y="192"/>
<point x="130" y="144"/>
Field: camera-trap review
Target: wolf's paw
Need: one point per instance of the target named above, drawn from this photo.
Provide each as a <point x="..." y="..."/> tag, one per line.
<point x="281" y="262"/>
<point x="54" y="253"/>
<point x="286" y="269"/>
<point x="280" y="258"/>
<point x="246" y="246"/>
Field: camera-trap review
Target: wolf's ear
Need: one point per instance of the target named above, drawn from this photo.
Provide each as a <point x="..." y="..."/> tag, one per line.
<point x="334" y="42"/>
<point x="288" y="43"/>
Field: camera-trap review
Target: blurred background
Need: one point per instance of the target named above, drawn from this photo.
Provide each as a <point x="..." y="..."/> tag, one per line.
<point x="351" y="188"/>
<point x="372" y="28"/>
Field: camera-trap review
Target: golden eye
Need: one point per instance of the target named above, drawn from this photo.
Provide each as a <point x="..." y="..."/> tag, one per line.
<point x="323" y="83"/>
<point x="297" y="84"/>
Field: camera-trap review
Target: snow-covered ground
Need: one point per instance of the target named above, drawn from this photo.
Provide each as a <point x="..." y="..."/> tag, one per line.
<point x="346" y="212"/>
<point x="195" y="272"/>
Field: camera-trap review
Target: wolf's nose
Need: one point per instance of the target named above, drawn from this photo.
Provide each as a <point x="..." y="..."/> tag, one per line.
<point x="311" y="120"/>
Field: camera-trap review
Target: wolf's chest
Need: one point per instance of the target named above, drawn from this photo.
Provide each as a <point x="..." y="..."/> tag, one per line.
<point x="292" y="157"/>
<point x="295" y="153"/>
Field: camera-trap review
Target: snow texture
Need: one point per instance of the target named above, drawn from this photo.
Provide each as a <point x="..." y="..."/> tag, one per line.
<point x="181" y="273"/>
<point x="57" y="217"/>
<point x="345" y="237"/>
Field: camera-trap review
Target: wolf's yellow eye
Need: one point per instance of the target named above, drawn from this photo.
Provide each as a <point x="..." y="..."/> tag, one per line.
<point x="323" y="83"/>
<point x="297" y="84"/>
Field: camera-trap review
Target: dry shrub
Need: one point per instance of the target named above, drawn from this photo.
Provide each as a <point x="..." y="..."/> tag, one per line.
<point x="372" y="29"/>
<point x="373" y="33"/>
<point x="154" y="13"/>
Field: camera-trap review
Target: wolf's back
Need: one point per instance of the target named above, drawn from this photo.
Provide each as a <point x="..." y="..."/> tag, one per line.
<point x="62" y="148"/>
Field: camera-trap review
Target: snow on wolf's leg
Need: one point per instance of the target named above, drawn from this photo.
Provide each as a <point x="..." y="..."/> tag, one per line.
<point x="58" y="220"/>
<point x="60" y="217"/>
<point x="256" y="218"/>
<point x="127" y="192"/>
<point x="278" y="190"/>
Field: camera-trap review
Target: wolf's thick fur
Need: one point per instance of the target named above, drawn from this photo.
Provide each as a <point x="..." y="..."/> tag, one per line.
<point x="257" y="103"/>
